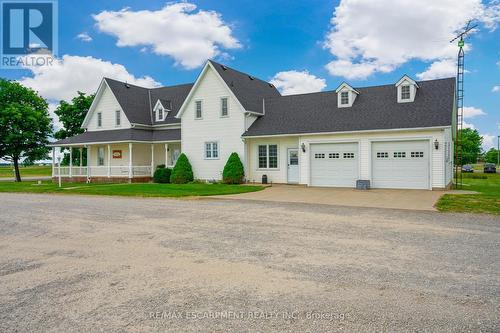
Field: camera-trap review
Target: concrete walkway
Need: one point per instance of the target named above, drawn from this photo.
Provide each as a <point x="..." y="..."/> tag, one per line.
<point x="375" y="198"/>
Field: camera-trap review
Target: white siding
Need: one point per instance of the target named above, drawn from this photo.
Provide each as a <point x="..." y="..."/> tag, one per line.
<point x="226" y="131"/>
<point x="438" y="170"/>
<point x="107" y="105"/>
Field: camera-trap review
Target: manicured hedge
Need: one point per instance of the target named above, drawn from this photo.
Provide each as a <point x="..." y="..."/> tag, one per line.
<point x="162" y="174"/>
<point x="182" y="172"/>
<point x="233" y="170"/>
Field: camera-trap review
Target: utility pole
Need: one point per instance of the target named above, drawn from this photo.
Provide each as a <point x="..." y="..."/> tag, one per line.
<point x="460" y="103"/>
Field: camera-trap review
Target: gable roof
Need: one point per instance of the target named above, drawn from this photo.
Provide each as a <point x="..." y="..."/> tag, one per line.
<point x="376" y="108"/>
<point x="137" y="102"/>
<point x="248" y="89"/>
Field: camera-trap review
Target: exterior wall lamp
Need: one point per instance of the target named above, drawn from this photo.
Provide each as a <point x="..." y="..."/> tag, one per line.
<point x="436" y="144"/>
<point x="303" y="146"/>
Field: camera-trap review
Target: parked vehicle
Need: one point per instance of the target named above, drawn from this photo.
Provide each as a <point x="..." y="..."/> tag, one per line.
<point x="467" y="168"/>
<point x="490" y="168"/>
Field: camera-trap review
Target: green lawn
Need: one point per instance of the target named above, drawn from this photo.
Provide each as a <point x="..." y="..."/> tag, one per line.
<point x="139" y="189"/>
<point x="487" y="201"/>
<point x="31" y="171"/>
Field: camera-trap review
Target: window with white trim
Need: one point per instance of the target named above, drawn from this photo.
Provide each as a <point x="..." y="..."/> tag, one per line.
<point x="118" y="119"/>
<point x="198" y="110"/>
<point x="382" y="154"/>
<point x="100" y="156"/>
<point x="348" y="155"/>
<point x="211" y="150"/>
<point x="319" y="155"/>
<point x="334" y="155"/>
<point x="417" y="154"/>
<point x="344" y="97"/>
<point x="224" y="107"/>
<point x="268" y="156"/>
<point x="399" y="154"/>
<point x="405" y="92"/>
<point x="159" y="114"/>
<point x="99" y="119"/>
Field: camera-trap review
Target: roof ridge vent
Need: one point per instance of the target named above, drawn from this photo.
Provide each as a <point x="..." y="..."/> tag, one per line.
<point x="271" y="85"/>
<point x="251" y="77"/>
<point x="127" y="85"/>
<point x="223" y="67"/>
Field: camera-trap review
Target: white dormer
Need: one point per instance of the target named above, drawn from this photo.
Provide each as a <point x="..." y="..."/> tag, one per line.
<point x="346" y="95"/>
<point x="407" y="89"/>
<point x="160" y="110"/>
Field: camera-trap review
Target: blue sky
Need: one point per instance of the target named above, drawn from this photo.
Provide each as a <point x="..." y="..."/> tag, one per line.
<point x="301" y="46"/>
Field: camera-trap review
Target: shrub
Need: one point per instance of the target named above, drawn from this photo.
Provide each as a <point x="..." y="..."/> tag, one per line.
<point x="233" y="170"/>
<point x="474" y="175"/>
<point x="162" y="174"/>
<point x="182" y="172"/>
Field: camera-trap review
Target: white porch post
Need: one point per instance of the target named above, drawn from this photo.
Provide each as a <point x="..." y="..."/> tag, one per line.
<point x="166" y="154"/>
<point x="53" y="161"/>
<point x="109" y="160"/>
<point x="152" y="159"/>
<point x="70" y="162"/>
<point x="89" y="154"/>
<point x="81" y="160"/>
<point x="130" y="160"/>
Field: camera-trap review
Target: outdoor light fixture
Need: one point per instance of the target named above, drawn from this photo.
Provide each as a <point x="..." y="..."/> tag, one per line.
<point x="303" y="146"/>
<point x="436" y="144"/>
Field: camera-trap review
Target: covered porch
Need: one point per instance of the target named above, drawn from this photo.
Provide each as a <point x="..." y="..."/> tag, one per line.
<point x="113" y="161"/>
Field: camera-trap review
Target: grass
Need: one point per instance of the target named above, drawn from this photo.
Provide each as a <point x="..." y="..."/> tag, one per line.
<point x="487" y="201"/>
<point x="31" y="171"/>
<point x="138" y="189"/>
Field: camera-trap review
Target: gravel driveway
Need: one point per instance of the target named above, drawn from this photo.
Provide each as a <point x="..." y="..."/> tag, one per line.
<point x="87" y="264"/>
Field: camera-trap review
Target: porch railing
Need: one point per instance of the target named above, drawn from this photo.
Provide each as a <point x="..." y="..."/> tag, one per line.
<point x="102" y="171"/>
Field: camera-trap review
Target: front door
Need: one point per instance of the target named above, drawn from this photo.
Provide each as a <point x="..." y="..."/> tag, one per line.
<point x="293" y="165"/>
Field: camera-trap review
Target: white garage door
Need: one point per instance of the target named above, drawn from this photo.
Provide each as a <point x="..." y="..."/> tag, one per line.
<point x="400" y="164"/>
<point x="334" y="164"/>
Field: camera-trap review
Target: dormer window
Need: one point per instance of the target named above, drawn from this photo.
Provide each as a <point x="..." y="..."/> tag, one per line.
<point x="346" y="95"/>
<point x="406" y="89"/>
<point x="161" y="110"/>
<point x="344" y="98"/>
<point x="160" y="114"/>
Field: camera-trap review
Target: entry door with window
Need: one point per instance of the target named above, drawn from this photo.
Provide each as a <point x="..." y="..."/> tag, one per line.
<point x="293" y="165"/>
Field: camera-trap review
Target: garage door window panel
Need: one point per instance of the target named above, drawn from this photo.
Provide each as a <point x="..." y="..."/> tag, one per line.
<point x="399" y="154"/>
<point x="334" y="155"/>
<point x="383" y="154"/>
<point x="348" y="155"/>
<point x="417" y="154"/>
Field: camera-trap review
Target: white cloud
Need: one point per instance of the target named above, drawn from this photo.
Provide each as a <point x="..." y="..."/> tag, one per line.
<point x="488" y="141"/>
<point x="84" y="37"/>
<point x="176" y="30"/>
<point x="295" y="82"/>
<point x="496" y="89"/>
<point x="70" y="74"/>
<point x="471" y="112"/>
<point x="468" y="125"/>
<point x="439" y="69"/>
<point x="378" y="36"/>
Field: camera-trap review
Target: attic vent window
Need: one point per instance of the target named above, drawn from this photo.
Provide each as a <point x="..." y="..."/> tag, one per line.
<point x="405" y="92"/>
<point x="344" y="98"/>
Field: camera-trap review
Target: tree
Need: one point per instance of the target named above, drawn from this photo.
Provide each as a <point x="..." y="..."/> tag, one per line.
<point x="25" y="125"/>
<point x="491" y="156"/>
<point x="182" y="172"/>
<point x="162" y="174"/>
<point x="471" y="145"/>
<point x="234" y="171"/>
<point x="71" y="115"/>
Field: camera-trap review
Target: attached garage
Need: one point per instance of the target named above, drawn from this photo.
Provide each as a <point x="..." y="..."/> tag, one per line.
<point x="334" y="164"/>
<point x="401" y="164"/>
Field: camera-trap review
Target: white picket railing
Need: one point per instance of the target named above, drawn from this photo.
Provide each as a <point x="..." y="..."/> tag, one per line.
<point x="102" y="171"/>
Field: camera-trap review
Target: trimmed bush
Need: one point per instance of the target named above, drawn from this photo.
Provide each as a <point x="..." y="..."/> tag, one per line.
<point x="162" y="174"/>
<point x="233" y="170"/>
<point x="182" y="172"/>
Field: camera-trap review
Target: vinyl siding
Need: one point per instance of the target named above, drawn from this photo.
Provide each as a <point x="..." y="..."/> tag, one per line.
<point x="107" y="105"/>
<point x="226" y="131"/>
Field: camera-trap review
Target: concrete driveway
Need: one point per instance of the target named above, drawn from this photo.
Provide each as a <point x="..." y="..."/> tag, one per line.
<point x="374" y="198"/>
<point x="111" y="264"/>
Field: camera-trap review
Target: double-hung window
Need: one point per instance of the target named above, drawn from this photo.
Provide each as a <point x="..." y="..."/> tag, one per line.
<point x="99" y="119"/>
<point x="100" y="156"/>
<point x="211" y="150"/>
<point x="224" y="107"/>
<point x="198" y="110"/>
<point x="118" y="119"/>
<point x="405" y="92"/>
<point x="268" y="156"/>
<point x="160" y="114"/>
<point x="344" y="97"/>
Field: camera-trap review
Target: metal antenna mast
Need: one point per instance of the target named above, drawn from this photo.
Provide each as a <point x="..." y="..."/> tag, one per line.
<point x="460" y="103"/>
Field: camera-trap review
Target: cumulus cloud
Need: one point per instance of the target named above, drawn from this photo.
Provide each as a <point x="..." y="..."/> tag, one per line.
<point x="468" y="125"/>
<point x="488" y="141"/>
<point x="177" y="30"/>
<point x="84" y="37"/>
<point x="496" y="89"/>
<point x="70" y="74"/>
<point x="296" y="82"/>
<point x="368" y="36"/>
<point x="471" y="112"/>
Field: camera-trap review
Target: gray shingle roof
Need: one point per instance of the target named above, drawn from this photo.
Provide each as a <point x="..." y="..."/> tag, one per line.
<point x="248" y="90"/>
<point x="135" y="100"/>
<point x="129" y="134"/>
<point x="374" y="108"/>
